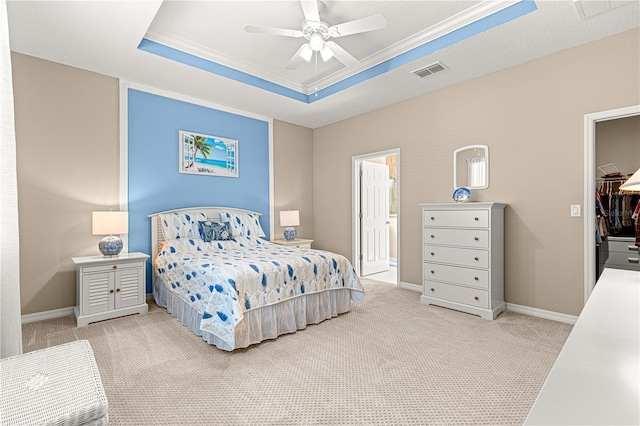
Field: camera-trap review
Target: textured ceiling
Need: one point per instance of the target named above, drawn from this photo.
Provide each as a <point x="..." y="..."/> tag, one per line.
<point x="105" y="37"/>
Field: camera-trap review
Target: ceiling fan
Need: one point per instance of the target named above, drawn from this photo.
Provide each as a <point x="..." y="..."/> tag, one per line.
<point x="319" y="33"/>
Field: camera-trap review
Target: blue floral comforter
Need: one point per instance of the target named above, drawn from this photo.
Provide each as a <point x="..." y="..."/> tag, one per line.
<point x="224" y="279"/>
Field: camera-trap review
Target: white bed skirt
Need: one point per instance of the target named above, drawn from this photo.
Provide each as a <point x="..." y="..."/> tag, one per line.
<point x="267" y="322"/>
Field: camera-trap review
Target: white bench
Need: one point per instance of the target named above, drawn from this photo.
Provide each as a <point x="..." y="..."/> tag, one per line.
<point x="59" y="385"/>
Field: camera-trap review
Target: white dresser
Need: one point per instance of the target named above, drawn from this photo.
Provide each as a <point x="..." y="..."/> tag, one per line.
<point x="463" y="257"/>
<point x="619" y="253"/>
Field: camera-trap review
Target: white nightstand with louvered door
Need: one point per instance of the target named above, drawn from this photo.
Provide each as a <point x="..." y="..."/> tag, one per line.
<point x="109" y="287"/>
<point x="463" y="257"/>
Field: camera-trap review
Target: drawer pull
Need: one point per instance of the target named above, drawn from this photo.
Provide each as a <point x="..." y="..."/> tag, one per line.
<point x="633" y="260"/>
<point x="433" y="254"/>
<point x="476" y="278"/>
<point x="433" y="236"/>
<point x="476" y="298"/>
<point x="111" y="291"/>
<point x="433" y="218"/>
<point x="476" y="238"/>
<point x="633" y="248"/>
<point x="476" y="219"/>
<point x="117" y="289"/>
<point x="476" y="258"/>
<point x="433" y="272"/>
<point x="115" y="266"/>
<point x="433" y="289"/>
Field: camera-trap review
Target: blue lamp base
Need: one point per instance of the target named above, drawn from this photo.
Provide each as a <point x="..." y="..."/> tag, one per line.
<point x="289" y="234"/>
<point x="110" y="245"/>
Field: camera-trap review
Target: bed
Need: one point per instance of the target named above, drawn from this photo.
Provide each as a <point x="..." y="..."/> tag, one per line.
<point x="214" y="272"/>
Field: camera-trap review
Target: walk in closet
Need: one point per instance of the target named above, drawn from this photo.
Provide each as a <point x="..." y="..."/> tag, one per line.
<point x="617" y="230"/>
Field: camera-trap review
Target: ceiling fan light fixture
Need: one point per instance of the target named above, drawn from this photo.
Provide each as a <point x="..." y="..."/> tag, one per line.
<point x="316" y="42"/>
<point x="326" y="53"/>
<point x="306" y="52"/>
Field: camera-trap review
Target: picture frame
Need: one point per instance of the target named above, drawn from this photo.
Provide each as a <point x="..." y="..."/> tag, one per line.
<point x="207" y="155"/>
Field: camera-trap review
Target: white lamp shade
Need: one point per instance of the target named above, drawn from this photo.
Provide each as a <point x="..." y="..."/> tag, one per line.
<point x="290" y="218"/>
<point x="633" y="183"/>
<point x="110" y="223"/>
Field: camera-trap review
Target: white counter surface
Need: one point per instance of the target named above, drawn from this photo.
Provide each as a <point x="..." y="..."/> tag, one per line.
<point x="596" y="378"/>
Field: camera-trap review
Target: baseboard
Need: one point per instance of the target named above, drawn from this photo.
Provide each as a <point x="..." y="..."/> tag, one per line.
<point x="527" y="310"/>
<point x="40" y="316"/>
<point x="541" y="313"/>
<point x="410" y="286"/>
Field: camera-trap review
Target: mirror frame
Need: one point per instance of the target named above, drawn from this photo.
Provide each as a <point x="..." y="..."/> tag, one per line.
<point x="485" y="148"/>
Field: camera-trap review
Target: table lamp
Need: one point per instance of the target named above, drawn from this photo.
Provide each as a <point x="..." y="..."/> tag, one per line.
<point x="289" y="219"/>
<point x="110" y="223"/>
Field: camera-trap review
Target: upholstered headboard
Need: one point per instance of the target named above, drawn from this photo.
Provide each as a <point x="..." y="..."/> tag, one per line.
<point x="157" y="236"/>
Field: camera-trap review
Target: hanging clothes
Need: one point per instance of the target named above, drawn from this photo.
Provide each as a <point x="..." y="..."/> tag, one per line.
<point x="636" y="217"/>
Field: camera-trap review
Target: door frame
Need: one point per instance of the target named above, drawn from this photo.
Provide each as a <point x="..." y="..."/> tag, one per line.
<point x="590" y="121"/>
<point x="356" y="161"/>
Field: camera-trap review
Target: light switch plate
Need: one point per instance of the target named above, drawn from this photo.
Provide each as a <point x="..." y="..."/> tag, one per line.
<point x="575" y="210"/>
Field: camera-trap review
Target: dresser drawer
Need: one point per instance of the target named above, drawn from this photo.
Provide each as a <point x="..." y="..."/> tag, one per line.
<point x="457" y="218"/>
<point x="457" y="275"/>
<point x="621" y="246"/>
<point x="629" y="260"/>
<point x="457" y="256"/>
<point x="106" y="268"/>
<point x="457" y="237"/>
<point x="454" y="293"/>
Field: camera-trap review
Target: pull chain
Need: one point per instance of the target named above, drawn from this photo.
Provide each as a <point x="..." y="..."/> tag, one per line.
<point x="316" y="85"/>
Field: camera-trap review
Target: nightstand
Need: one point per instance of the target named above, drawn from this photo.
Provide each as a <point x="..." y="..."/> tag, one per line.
<point x="298" y="242"/>
<point x="109" y="287"/>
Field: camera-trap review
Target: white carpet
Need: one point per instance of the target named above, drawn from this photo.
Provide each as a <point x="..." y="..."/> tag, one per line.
<point x="389" y="361"/>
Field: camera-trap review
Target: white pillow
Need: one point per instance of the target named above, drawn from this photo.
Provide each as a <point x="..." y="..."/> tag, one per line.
<point x="181" y="225"/>
<point x="243" y="224"/>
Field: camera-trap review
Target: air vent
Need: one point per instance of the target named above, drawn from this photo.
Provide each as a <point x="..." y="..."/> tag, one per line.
<point x="430" y="69"/>
<point x="589" y="8"/>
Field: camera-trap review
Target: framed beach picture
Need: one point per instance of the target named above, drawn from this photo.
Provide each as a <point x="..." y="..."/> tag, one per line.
<point x="208" y="155"/>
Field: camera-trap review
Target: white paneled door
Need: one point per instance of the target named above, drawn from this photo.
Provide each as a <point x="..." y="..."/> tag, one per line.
<point x="374" y="190"/>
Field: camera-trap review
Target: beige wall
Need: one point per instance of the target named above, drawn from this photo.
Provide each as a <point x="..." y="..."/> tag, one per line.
<point x="292" y="174"/>
<point x="618" y="142"/>
<point x="67" y="162"/>
<point x="531" y="117"/>
<point x="67" y="133"/>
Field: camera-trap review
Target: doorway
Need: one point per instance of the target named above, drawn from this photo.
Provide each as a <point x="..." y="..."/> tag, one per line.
<point x="589" y="254"/>
<point x="376" y="215"/>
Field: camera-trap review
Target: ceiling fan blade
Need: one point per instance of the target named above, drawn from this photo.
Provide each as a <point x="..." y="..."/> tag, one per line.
<point x="272" y="31"/>
<point x="301" y="55"/>
<point x="342" y="55"/>
<point x="310" y="10"/>
<point x="370" y="23"/>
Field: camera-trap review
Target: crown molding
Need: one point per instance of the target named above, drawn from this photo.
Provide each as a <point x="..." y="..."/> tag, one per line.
<point x="460" y="20"/>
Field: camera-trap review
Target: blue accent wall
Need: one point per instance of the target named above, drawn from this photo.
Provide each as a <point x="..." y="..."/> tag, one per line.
<point x="154" y="181"/>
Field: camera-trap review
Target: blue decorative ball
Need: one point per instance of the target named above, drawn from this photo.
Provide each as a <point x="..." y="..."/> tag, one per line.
<point x="289" y="234"/>
<point x="110" y="246"/>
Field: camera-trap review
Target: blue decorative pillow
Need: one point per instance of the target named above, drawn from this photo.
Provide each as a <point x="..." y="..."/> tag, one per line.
<point x="214" y="231"/>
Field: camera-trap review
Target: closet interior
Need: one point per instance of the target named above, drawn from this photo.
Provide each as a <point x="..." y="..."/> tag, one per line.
<point x="617" y="221"/>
